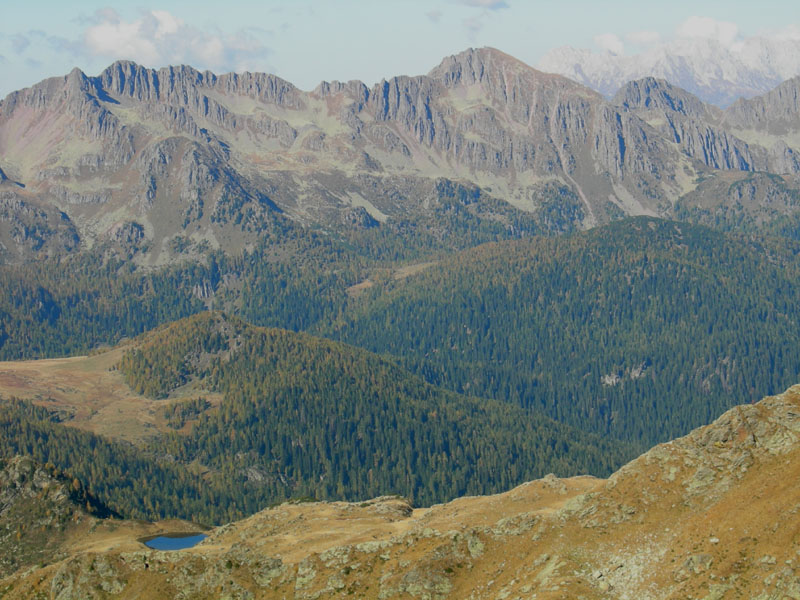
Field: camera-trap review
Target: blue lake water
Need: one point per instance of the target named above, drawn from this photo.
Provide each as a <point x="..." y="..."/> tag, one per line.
<point x="175" y="542"/>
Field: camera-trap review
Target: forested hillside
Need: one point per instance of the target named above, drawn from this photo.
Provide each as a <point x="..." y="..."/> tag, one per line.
<point x="293" y="278"/>
<point x="300" y="417"/>
<point x="307" y="416"/>
<point x="642" y="329"/>
<point x="58" y="308"/>
<point x="135" y="483"/>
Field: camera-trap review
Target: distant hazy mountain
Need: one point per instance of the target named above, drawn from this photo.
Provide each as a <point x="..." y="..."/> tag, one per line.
<point x="716" y="73"/>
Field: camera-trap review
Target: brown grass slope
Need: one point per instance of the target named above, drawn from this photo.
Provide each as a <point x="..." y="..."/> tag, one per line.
<point x="90" y="393"/>
<point x="710" y="515"/>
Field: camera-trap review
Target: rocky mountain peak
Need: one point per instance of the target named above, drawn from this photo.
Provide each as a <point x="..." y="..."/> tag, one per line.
<point x="77" y="79"/>
<point x="717" y="73"/>
<point x="178" y="83"/>
<point x="184" y="85"/>
<point x="473" y="66"/>
<point x="126" y="78"/>
<point x="480" y="115"/>
<point x="496" y="69"/>
<point x="263" y="87"/>
<point x="652" y="93"/>
<point x="353" y="89"/>
<point x="777" y="111"/>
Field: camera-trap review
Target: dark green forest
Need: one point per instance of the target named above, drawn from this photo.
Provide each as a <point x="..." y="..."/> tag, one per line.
<point x="498" y="364"/>
<point x="679" y="321"/>
<point x="300" y="417"/>
<point x="295" y="278"/>
<point x="67" y="307"/>
<point x="307" y="416"/>
<point x="132" y="482"/>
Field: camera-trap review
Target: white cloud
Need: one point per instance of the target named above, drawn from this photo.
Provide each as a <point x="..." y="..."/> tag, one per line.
<point x="473" y="25"/>
<point x="159" y="38"/>
<point x="166" y="23"/>
<point x="118" y="39"/>
<point x="490" y="4"/>
<point x="610" y="42"/>
<point x="20" y="43"/>
<point x="643" y="38"/>
<point x="790" y="32"/>
<point x="723" y="32"/>
<point x="434" y="15"/>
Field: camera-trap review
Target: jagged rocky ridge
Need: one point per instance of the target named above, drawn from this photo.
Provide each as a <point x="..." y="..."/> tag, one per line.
<point x="710" y="515"/>
<point x="227" y="158"/>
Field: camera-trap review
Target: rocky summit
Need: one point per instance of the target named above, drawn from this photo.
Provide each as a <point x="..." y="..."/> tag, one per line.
<point x="709" y="515"/>
<point x="141" y="160"/>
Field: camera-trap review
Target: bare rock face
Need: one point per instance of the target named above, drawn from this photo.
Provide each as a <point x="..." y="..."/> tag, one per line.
<point x="776" y="112"/>
<point x="39" y="508"/>
<point x="230" y="156"/>
<point x="29" y="230"/>
<point x="696" y="127"/>
<point x="128" y="234"/>
<point x="716" y="148"/>
<point x="651" y="93"/>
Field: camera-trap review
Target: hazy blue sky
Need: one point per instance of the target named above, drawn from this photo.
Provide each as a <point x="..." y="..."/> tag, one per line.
<point x="306" y="41"/>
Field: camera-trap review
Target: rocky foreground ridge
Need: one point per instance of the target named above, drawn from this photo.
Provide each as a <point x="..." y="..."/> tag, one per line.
<point x="712" y="515"/>
<point x="135" y="158"/>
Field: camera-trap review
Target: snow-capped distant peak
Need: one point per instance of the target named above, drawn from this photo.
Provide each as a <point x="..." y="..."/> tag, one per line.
<point x="717" y="71"/>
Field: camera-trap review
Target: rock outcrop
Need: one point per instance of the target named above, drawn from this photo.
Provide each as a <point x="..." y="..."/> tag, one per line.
<point x="40" y="508"/>
<point x="777" y="112"/>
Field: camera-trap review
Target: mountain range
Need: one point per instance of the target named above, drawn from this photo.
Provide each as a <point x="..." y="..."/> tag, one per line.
<point x="254" y="308"/>
<point x="154" y="163"/>
<point x="719" y="73"/>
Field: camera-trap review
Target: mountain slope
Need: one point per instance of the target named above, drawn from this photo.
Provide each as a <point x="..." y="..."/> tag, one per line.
<point x="713" y="514"/>
<point x="141" y="159"/>
<point x="46" y="515"/>
<point x="641" y="329"/>
<point x="40" y="508"/>
<point x="67" y="307"/>
<point x="748" y="147"/>
<point x="305" y="416"/>
<point x="178" y="150"/>
<point x="132" y="481"/>
<point x="238" y="417"/>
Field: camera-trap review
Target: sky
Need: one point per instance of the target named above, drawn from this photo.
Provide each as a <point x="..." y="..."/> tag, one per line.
<point x="308" y="41"/>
